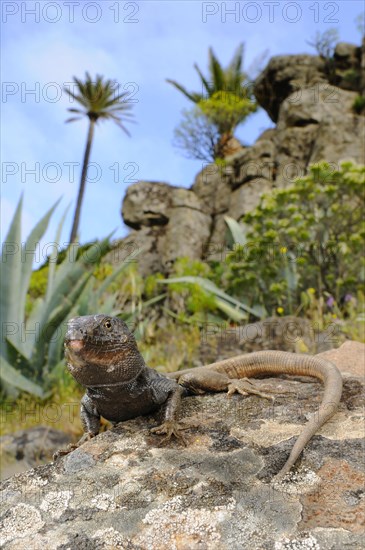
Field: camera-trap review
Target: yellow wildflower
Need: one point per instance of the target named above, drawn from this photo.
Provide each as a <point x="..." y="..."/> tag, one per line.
<point x="280" y="310"/>
<point x="311" y="290"/>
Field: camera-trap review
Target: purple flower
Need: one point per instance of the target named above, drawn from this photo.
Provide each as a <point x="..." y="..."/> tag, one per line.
<point x="348" y="298"/>
<point x="330" y="301"/>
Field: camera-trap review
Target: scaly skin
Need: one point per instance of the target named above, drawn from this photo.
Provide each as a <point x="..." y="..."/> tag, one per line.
<point x="102" y="355"/>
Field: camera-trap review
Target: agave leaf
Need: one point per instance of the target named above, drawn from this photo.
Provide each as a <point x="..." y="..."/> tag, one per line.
<point x="69" y="276"/>
<point x="12" y="377"/>
<point x="230" y="311"/>
<point x="53" y="257"/>
<point x="51" y="321"/>
<point x="237" y="231"/>
<point x="57" y="372"/>
<point x="55" y="348"/>
<point x="10" y="271"/>
<point x="28" y="259"/>
<point x="17" y="359"/>
<point x="67" y="265"/>
<point x="86" y="303"/>
<point x="153" y="300"/>
<point x="32" y="325"/>
<point x="291" y="273"/>
<point x="211" y="287"/>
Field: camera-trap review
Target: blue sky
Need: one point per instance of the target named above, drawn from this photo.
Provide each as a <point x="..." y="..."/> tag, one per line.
<point x="139" y="44"/>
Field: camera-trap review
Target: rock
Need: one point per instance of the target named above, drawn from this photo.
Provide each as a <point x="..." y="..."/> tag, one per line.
<point x="347" y="62"/>
<point x="350" y="358"/>
<point x="170" y="222"/>
<point x="335" y="138"/>
<point x="142" y="247"/>
<point x="312" y="127"/>
<point x="186" y="235"/>
<point x="146" y="204"/>
<point x="284" y="75"/>
<point x="25" y="449"/>
<point x="212" y="187"/>
<point x="362" y="69"/>
<point x="124" y="490"/>
<point x="252" y="163"/>
<point x="346" y="53"/>
<point x="246" y="197"/>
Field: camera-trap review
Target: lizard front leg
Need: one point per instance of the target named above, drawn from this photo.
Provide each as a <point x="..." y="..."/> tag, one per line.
<point x="90" y="419"/>
<point x="170" y="425"/>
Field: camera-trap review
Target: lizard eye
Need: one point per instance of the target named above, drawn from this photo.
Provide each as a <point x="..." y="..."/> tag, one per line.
<point x="107" y="325"/>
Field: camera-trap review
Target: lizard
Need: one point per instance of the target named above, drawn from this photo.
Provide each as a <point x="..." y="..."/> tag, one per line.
<point x="102" y="355"/>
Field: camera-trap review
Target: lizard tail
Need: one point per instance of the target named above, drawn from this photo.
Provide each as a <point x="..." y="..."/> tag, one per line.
<point x="281" y="362"/>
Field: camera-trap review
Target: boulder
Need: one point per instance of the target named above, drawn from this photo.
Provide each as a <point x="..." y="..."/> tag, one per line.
<point x="212" y="187"/>
<point x="169" y="222"/>
<point x="187" y="231"/>
<point x="254" y="162"/>
<point x="284" y="75"/>
<point x="28" y="448"/>
<point x="146" y="204"/>
<point x="247" y="197"/>
<point x="347" y="62"/>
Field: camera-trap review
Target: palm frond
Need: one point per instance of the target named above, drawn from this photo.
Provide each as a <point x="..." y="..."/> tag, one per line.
<point x="234" y="73"/>
<point x="195" y="97"/>
<point x="217" y="72"/>
<point x="219" y="79"/>
<point x="72" y="119"/>
<point x="235" y="65"/>
<point x="100" y="100"/>
<point x="207" y="86"/>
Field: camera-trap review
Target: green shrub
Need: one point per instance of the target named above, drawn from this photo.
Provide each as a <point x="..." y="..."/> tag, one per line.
<point x="227" y="110"/>
<point x="359" y="104"/>
<point x="309" y="235"/>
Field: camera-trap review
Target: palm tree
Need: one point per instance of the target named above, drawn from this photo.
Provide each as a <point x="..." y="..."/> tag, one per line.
<point x="98" y="101"/>
<point x="232" y="79"/>
<point x="219" y="88"/>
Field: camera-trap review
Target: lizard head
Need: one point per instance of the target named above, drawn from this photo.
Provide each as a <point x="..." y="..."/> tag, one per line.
<point x="101" y="350"/>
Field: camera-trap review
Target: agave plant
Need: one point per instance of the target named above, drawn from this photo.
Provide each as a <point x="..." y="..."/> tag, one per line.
<point x="32" y="348"/>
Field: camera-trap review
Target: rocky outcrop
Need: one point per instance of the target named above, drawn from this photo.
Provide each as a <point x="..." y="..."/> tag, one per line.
<point x="347" y="66"/>
<point x="314" y="120"/>
<point x="26" y="449"/>
<point x="124" y="490"/>
<point x="285" y="75"/>
<point x="169" y="222"/>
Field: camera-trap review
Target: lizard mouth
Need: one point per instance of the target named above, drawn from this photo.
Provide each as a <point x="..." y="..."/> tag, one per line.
<point x="75" y="345"/>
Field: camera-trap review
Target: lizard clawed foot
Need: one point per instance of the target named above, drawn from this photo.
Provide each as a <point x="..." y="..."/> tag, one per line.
<point x="170" y="428"/>
<point x="73" y="446"/>
<point x="245" y="386"/>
